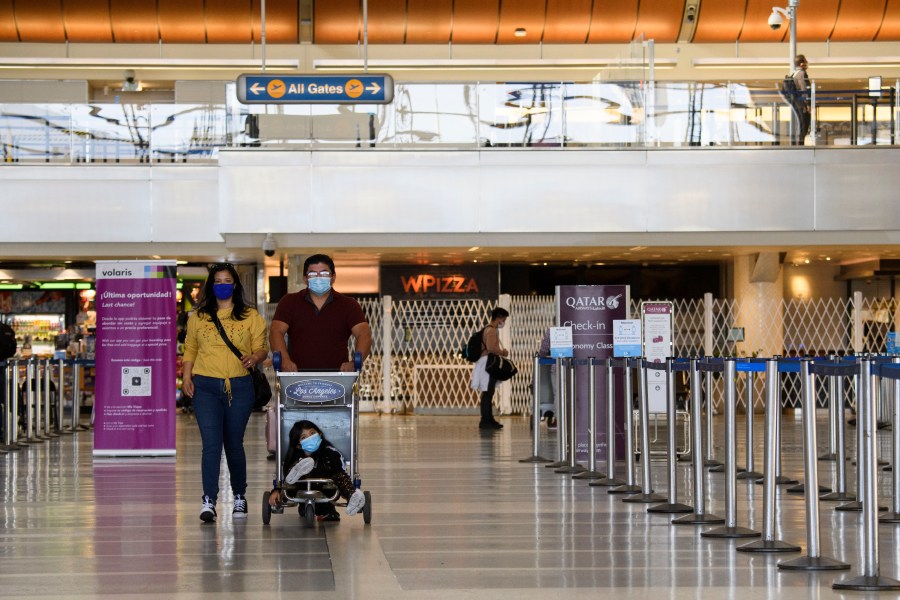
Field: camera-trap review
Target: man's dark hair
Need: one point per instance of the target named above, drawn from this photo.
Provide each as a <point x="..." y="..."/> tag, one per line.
<point x="318" y="258"/>
<point x="499" y="313"/>
<point x="799" y="59"/>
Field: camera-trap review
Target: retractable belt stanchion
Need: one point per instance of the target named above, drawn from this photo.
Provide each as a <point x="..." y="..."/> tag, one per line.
<point x="833" y="419"/>
<point x="76" y="397"/>
<point x="813" y="561"/>
<point x="48" y="399"/>
<point x="789" y="365"/>
<point x="572" y="465"/>
<point x="630" y="486"/>
<point x="610" y="479"/>
<point x="859" y="387"/>
<point x="730" y="529"/>
<point x="39" y="401"/>
<point x="5" y="395"/>
<point x="749" y="471"/>
<point x="710" y="438"/>
<point x="562" y="419"/>
<point x="14" y="404"/>
<point x="768" y="543"/>
<point x="672" y="505"/>
<point x="892" y="372"/>
<point x="646" y="496"/>
<point x="60" y="395"/>
<point x="836" y="397"/>
<point x="867" y="426"/>
<point x="29" y="402"/>
<point x="536" y="414"/>
<point x="700" y="516"/>
<point x="591" y="471"/>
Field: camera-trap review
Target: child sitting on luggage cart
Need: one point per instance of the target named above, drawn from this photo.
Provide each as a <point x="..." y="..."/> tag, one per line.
<point x="310" y="455"/>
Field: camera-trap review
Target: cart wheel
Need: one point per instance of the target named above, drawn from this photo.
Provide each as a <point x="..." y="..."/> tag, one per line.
<point x="367" y="509"/>
<point x="309" y="513"/>
<point x="267" y="510"/>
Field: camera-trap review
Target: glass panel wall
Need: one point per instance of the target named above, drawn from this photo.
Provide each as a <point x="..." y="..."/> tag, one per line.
<point x="457" y="116"/>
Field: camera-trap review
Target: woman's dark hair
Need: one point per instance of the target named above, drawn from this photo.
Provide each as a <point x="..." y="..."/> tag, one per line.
<point x="498" y="313"/>
<point x="207" y="304"/>
<point x="293" y="451"/>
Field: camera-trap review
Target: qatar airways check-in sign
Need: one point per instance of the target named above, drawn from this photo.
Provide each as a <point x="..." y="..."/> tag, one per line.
<point x="590" y="311"/>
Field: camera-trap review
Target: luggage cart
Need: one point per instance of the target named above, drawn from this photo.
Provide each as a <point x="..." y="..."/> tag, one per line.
<point x="330" y="400"/>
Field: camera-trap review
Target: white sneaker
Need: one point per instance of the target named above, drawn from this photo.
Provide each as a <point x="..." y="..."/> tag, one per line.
<point x="356" y="503"/>
<point x="208" y="510"/>
<point x="303" y="467"/>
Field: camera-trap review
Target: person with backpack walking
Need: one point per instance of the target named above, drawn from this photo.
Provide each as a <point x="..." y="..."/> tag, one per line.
<point x="481" y="380"/>
<point x="800" y="101"/>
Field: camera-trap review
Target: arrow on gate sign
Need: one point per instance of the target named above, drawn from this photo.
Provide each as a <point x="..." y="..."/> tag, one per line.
<point x="256" y="89"/>
<point x="374" y="88"/>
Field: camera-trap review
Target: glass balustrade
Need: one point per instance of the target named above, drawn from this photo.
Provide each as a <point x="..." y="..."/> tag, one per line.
<point x="455" y="116"/>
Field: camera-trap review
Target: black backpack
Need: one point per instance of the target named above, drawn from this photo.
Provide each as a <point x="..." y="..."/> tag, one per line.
<point x="472" y="350"/>
<point x="789" y="86"/>
<point x="7" y="342"/>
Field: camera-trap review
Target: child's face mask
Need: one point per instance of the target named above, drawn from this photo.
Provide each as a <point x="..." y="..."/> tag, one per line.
<point x="312" y="443"/>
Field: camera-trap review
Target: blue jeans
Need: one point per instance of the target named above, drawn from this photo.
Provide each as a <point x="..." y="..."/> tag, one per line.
<point x="223" y="425"/>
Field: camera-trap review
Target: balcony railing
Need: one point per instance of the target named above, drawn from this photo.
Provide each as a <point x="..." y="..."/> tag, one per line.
<point x="455" y="116"/>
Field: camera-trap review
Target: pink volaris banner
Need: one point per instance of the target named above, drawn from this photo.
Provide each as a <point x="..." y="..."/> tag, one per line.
<point x="134" y="401"/>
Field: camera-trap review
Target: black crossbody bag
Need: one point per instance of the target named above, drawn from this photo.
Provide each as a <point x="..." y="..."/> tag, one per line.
<point x="261" y="389"/>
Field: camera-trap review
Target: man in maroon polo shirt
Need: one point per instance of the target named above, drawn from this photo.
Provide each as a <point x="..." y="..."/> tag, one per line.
<point x="318" y="322"/>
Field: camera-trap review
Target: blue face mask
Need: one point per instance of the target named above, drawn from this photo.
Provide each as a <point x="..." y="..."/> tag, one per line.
<point x="319" y="285"/>
<point x="311" y="444"/>
<point x="223" y="291"/>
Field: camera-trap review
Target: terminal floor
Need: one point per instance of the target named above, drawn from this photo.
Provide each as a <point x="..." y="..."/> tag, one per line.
<point x="455" y="515"/>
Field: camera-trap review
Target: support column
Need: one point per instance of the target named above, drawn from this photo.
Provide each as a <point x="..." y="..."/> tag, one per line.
<point x="759" y="292"/>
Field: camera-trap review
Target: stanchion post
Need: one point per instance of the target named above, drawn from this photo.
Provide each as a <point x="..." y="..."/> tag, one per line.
<point x="893" y="516"/>
<point x="672" y="505"/>
<point x="859" y="387"/>
<point x="833" y="418"/>
<point x="710" y="438"/>
<point x="591" y="471"/>
<point x="646" y="496"/>
<point x="536" y="416"/>
<point x="749" y="468"/>
<point x="572" y="465"/>
<point x="610" y="479"/>
<point x="813" y="561"/>
<point x="14" y="402"/>
<point x="730" y="529"/>
<point x="836" y="398"/>
<point x="562" y="418"/>
<point x="29" y="401"/>
<point x="630" y="486"/>
<point x="768" y="543"/>
<point x="867" y="428"/>
<point x="7" y="400"/>
<point x="60" y="395"/>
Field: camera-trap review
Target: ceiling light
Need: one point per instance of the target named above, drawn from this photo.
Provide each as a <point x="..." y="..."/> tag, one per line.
<point x="520" y="32"/>
<point x="474" y="248"/>
<point x="485" y="64"/>
<point x="152" y="64"/>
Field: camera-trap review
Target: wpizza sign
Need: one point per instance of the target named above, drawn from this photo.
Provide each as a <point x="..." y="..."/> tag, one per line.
<point x="410" y="282"/>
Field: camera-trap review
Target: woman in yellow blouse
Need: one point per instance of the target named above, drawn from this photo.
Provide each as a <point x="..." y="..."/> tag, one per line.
<point x="220" y="383"/>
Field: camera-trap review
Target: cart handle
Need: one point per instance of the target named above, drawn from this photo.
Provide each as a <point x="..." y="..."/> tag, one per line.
<point x="357" y="361"/>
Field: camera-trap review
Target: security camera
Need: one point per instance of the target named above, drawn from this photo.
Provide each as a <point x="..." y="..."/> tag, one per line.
<point x="775" y="20"/>
<point x="129" y="76"/>
<point x="691" y="14"/>
<point x="269" y="245"/>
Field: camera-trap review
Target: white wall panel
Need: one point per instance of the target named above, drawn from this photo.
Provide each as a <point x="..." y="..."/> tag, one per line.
<point x="858" y="190"/>
<point x="185" y="204"/>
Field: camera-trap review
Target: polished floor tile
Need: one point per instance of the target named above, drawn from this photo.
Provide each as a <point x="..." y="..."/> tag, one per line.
<point x="455" y="515"/>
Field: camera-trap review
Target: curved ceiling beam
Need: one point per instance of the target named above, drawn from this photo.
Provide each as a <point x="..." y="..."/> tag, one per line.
<point x="659" y="20"/>
<point x="40" y="21"/>
<point x="337" y="22"/>
<point x="386" y="22"/>
<point x="815" y="20"/>
<point x="719" y="22"/>
<point x="88" y="21"/>
<point x="613" y="21"/>
<point x="134" y="21"/>
<point x="858" y="20"/>
<point x="429" y="21"/>
<point x="8" y="31"/>
<point x="527" y="14"/>
<point x="568" y="21"/>
<point x="890" y="25"/>
<point x="475" y="21"/>
<point x="178" y="19"/>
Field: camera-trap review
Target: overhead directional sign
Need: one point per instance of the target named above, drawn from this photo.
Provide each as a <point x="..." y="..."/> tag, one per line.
<point x="315" y="89"/>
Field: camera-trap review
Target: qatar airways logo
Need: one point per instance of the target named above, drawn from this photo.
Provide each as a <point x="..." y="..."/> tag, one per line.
<point x="315" y="391"/>
<point x="594" y="302"/>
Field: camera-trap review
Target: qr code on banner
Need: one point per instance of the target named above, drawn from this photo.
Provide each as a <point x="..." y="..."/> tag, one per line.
<point x="136" y="381"/>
